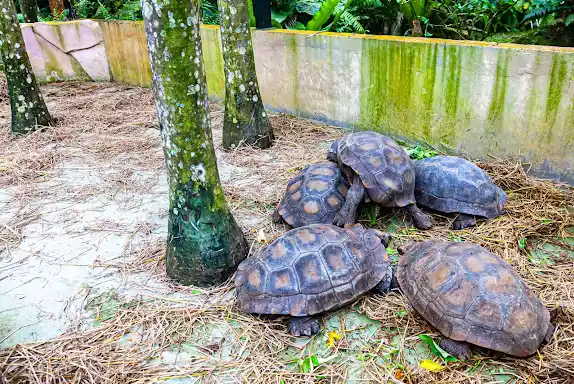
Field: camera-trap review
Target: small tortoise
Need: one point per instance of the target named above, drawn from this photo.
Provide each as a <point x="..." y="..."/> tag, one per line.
<point x="454" y="185"/>
<point x="313" y="269"/>
<point x="376" y="163"/>
<point x="313" y="196"/>
<point x="472" y="296"/>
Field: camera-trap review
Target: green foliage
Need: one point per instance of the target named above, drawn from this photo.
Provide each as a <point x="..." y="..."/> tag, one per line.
<point x="438" y="351"/>
<point x="211" y="13"/>
<point x="420" y="153"/>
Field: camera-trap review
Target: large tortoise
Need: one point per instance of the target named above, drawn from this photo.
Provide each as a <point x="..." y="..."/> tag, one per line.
<point x="472" y="296"/>
<point x="313" y="196"/>
<point x="454" y="185"/>
<point x="376" y="164"/>
<point x="313" y="269"/>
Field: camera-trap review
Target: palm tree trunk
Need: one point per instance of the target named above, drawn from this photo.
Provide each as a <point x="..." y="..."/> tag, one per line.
<point x="245" y="120"/>
<point x="205" y="244"/>
<point x="28" y="108"/>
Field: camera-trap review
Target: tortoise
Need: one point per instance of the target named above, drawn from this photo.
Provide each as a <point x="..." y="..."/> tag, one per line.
<point x="451" y="184"/>
<point x="378" y="165"/>
<point x="313" y="269"/>
<point x="313" y="196"/>
<point x="472" y="296"/>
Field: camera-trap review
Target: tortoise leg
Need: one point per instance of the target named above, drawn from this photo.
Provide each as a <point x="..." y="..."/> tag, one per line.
<point x="348" y="213"/>
<point x="549" y="333"/>
<point x="460" y="349"/>
<point x="304" y="326"/>
<point x="276" y="217"/>
<point x="463" y="221"/>
<point x="421" y="220"/>
<point x="384" y="285"/>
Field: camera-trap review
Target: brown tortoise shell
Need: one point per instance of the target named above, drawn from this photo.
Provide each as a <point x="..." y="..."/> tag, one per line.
<point x="470" y="294"/>
<point x="311" y="269"/>
<point x="385" y="168"/>
<point x="314" y="195"/>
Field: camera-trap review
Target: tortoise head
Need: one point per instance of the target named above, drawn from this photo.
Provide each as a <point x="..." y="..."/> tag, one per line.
<point x="372" y="237"/>
<point x="332" y="152"/>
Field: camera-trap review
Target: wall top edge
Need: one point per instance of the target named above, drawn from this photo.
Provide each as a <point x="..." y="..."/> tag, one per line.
<point x="401" y="39"/>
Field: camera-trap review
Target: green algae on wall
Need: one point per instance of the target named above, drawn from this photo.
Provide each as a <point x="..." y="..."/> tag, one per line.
<point x="213" y="58"/>
<point x="127" y="52"/>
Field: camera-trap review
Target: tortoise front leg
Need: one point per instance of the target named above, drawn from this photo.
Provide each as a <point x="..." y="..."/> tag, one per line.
<point x="463" y="221"/>
<point x="304" y="326"/>
<point x="348" y="213"/>
<point x="276" y="217"/>
<point x="420" y="219"/>
<point x="459" y="349"/>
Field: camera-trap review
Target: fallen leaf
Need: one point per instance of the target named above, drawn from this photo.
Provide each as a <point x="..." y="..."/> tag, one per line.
<point x="431" y="366"/>
<point x="332" y="337"/>
<point x="261" y="236"/>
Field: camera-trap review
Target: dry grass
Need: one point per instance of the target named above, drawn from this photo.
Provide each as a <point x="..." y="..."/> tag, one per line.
<point x="97" y="123"/>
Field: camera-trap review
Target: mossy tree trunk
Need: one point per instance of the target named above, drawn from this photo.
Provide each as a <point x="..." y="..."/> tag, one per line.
<point x="245" y="120"/>
<point x="205" y="244"/>
<point x="28" y="108"/>
<point x="29" y="10"/>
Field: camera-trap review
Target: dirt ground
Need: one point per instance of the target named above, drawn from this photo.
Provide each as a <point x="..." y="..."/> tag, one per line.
<point x="85" y="298"/>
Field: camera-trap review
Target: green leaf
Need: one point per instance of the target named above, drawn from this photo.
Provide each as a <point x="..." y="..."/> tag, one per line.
<point x="569" y="19"/>
<point x="279" y="16"/>
<point x="322" y="15"/>
<point x="438" y="351"/>
<point x="545" y="221"/>
<point x="401" y="313"/>
<point x="392" y="251"/>
<point x="454" y="238"/>
<point x="281" y="381"/>
<point x="522" y="243"/>
<point x="309" y="363"/>
<point x="195" y="291"/>
<point x="251" y="14"/>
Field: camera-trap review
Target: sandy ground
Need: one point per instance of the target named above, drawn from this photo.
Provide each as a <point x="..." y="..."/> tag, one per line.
<point x="85" y="215"/>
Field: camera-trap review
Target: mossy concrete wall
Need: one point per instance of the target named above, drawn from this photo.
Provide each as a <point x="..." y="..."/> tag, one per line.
<point x="474" y="98"/>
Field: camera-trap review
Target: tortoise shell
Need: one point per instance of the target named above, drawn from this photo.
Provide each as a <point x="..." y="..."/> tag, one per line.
<point x="451" y="184"/>
<point x="312" y="269"/>
<point x="470" y="294"/>
<point x="384" y="167"/>
<point x="314" y="195"/>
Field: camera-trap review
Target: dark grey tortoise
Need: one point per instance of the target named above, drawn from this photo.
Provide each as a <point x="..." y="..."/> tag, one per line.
<point x="313" y="196"/>
<point x="472" y="296"/>
<point x="378" y="165"/>
<point x="313" y="269"/>
<point x="454" y="185"/>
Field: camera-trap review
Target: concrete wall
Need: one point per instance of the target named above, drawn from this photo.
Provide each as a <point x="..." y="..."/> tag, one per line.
<point x="475" y="98"/>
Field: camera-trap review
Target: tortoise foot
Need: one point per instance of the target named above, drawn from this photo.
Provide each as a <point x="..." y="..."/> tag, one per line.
<point x="459" y="349"/>
<point x="342" y="219"/>
<point x="304" y="326"/>
<point x="464" y="221"/>
<point x="276" y="216"/>
<point x="385" y="284"/>
<point x="420" y="219"/>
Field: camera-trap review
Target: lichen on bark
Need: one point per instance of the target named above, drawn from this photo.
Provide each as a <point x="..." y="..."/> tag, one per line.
<point x="205" y="244"/>
<point x="245" y="120"/>
<point x="28" y="107"/>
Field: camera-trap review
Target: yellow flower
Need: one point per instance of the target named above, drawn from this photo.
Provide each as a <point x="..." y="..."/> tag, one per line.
<point x="332" y="337"/>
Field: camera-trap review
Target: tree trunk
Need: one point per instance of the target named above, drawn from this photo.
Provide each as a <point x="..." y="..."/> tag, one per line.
<point x="28" y="108"/>
<point x="245" y="120"/>
<point x="29" y="10"/>
<point x="205" y="244"/>
<point x="57" y="7"/>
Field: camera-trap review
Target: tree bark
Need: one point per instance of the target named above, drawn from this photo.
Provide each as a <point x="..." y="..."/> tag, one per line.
<point x="245" y="120"/>
<point x="29" y="10"/>
<point x="57" y="7"/>
<point x="28" y="108"/>
<point x="205" y="244"/>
